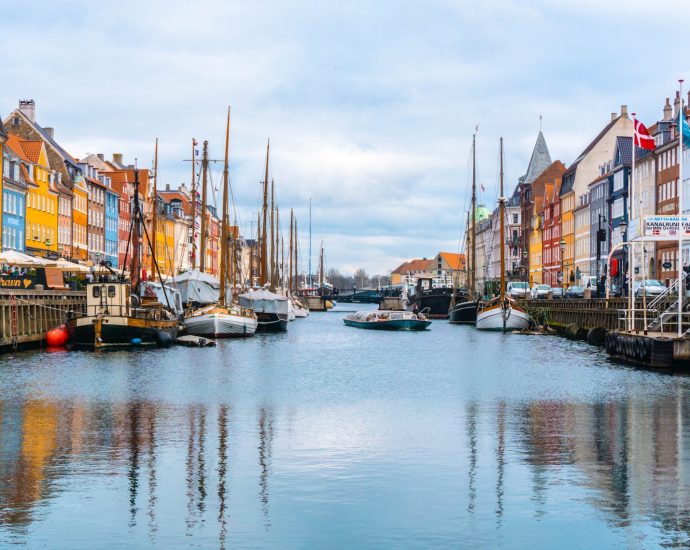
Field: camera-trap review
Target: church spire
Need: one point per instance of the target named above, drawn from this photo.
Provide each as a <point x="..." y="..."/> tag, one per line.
<point x="540" y="161"/>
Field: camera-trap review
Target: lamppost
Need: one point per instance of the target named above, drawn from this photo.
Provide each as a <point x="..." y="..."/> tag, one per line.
<point x="623" y="225"/>
<point x="524" y="262"/>
<point x="601" y="237"/>
<point x="562" y="245"/>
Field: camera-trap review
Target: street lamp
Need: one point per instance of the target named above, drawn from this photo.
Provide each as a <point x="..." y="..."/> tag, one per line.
<point x="623" y="225"/>
<point x="562" y="245"/>
<point x="524" y="261"/>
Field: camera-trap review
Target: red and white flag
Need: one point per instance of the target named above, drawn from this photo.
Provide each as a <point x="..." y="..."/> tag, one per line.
<point x="642" y="138"/>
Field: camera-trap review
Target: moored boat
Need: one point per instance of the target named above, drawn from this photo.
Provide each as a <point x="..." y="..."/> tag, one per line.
<point x="463" y="313"/>
<point x="215" y="321"/>
<point x="387" y="320"/>
<point x="501" y="313"/>
<point x="271" y="309"/>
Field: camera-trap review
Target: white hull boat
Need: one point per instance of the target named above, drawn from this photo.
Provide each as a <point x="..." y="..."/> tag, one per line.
<point x="222" y="322"/>
<point x="492" y="317"/>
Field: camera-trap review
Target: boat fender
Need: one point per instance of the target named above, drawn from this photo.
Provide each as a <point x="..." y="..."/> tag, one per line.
<point x="163" y="339"/>
<point x="136" y="341"/>
<point x="597" y="336"/>
<point x="134" y="300"/>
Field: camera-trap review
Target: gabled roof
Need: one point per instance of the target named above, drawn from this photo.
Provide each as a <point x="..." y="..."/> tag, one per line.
<point x="573" y="167"/>
<point x="540" y="161"/>
<point x="455" y="261"/>
<point x="46" y="137"/>
<point x="541" y="185"/>
<point x="623" y="151"/>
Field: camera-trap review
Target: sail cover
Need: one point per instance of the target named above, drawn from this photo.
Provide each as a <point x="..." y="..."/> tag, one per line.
<point x="197" y="287"/>
<point x="264" y="301"/>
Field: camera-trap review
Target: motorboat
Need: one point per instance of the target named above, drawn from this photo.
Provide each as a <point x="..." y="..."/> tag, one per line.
<point x="387" y="320"/>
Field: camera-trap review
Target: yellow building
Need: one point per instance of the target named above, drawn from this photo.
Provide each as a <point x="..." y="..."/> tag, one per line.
<point x="80" y="220"/>
<point x="169" y="245"/>
<point x="536" y="266"/>
<point x="41" y="196"/>
<point x="568" y="235"/>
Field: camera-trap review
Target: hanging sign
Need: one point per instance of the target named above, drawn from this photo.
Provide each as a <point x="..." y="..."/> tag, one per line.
<point x="667" y="226"/>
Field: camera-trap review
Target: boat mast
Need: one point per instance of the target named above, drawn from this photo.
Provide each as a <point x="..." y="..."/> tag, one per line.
<point x="194" y="251"/>
<point x="154" y="215"/>
<point x="473" y="214"/>
<point x="264" y="267"/>
<point x="295" y="282"/>
<point x="224" y="255"/>
<point x="321" y="266"/>
<point x="309" y="284"/>
<point x="258" y="248"/>
<point x="501" y="214"/>
<point x="290" y="270"/>
<point x="279" y="239"/>
<point x="135" y="266"/>
<point x="204" y="179"/>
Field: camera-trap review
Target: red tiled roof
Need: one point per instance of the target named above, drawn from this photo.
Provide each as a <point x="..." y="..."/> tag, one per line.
<point x="455" y="261"/>
<point x="15" y="143"/>
<point x="32" y="149"/>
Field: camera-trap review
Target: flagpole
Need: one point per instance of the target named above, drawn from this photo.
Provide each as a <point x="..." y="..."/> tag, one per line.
<point x="680" y="211"/>
<point x="631" y="246"/>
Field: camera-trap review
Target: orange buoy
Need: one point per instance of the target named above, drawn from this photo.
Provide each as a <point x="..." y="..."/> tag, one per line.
<point x="58" y="336"/>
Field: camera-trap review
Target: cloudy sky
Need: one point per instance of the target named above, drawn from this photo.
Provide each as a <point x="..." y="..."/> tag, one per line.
<point x="370" y="106"/>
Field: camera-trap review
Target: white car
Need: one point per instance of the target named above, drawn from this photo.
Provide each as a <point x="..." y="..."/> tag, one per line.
<point x="518" y="289"/>
<point x="649" y="287"/>
<point x="540" y="291"/>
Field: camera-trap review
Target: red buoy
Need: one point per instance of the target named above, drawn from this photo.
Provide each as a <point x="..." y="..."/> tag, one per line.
<point x="57" y="337"/>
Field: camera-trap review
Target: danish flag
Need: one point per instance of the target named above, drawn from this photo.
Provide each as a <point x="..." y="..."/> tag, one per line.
<point x="642" y="138"/>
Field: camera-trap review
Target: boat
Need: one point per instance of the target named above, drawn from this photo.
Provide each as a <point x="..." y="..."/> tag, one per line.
<point x="501" y="313"/>
<point x="433" y="301"/>
<point x="463" y="311"/>
<point x="118" y="313"/>
<point x="223" y="319"/>
<point x="271" y="309"/>
<point x="387" y="320"/>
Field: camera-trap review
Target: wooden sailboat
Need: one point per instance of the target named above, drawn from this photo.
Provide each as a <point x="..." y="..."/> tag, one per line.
<point x="501" y="313"/>
<point x="465" y="312"/>
<point x="224" y="319"/>
<point x="117" y="315"/>
<point x="271" y="309"/>
<point x="299" y="309"/>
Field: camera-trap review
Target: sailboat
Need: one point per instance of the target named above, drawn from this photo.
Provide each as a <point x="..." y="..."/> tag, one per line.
<point x="271" y="309"/>
<point x="298" y="310"/>
<point x="117" y="314"/>
<point x="465" y="312"/>
<point x="224" y="319"/>
<point x="501" y="313"/>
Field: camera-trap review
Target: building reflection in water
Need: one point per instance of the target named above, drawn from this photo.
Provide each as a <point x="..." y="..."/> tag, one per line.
<point x="631" y="456"/>
<point x="265" y="450"/>
<point x="222" y="473"/>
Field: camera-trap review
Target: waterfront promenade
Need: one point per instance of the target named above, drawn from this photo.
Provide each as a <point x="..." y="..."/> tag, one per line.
<point x="327" y="436"/>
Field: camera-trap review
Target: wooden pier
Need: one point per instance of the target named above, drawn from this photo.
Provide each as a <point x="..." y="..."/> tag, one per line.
<point x="587" y="313"/>
<point x="26" y="316"/>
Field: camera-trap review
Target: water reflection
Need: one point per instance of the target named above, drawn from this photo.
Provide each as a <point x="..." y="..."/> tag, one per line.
<point x="628" y="459"/>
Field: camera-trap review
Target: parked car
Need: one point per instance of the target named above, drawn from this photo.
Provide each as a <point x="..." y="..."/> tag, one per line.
<point x="557" y="292"/>
<point x="649" y="287"/>
<point x="540" y="291"/>
<point x="518" y="289"/>
<point x="574" y="292"/>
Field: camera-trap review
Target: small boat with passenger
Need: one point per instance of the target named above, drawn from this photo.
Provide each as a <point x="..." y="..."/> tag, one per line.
<point x="387" y="320"/>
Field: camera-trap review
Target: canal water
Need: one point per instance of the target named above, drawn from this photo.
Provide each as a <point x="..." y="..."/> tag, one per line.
<point x="335" y="437"/>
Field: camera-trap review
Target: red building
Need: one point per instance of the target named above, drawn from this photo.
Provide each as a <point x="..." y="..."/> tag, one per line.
<point x="551" y="233"/>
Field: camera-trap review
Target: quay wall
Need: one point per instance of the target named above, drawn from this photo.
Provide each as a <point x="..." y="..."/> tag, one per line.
<point x="26" y="315"/>
<point x="588" y="313"/>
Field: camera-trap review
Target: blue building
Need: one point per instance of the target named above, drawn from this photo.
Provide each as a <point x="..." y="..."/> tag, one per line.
<point x="112" y="200"/>
<point x="13" y="201"/>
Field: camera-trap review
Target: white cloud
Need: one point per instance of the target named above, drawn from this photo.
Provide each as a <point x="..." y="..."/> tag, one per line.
<point x="370" y="106"/>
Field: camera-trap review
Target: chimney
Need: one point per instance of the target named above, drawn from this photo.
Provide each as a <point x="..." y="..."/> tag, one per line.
<point x="624" y="110"/>
<point x="167" y="187"/>
<point x="614" y="116"/>
<point x="50" y="132"/>
<point x="676" y="105"/>
<point x="100" y="156"/>
<point x="668" y="110"/>
<point x="28" y="107"/>
<point x="117" y="158"/>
